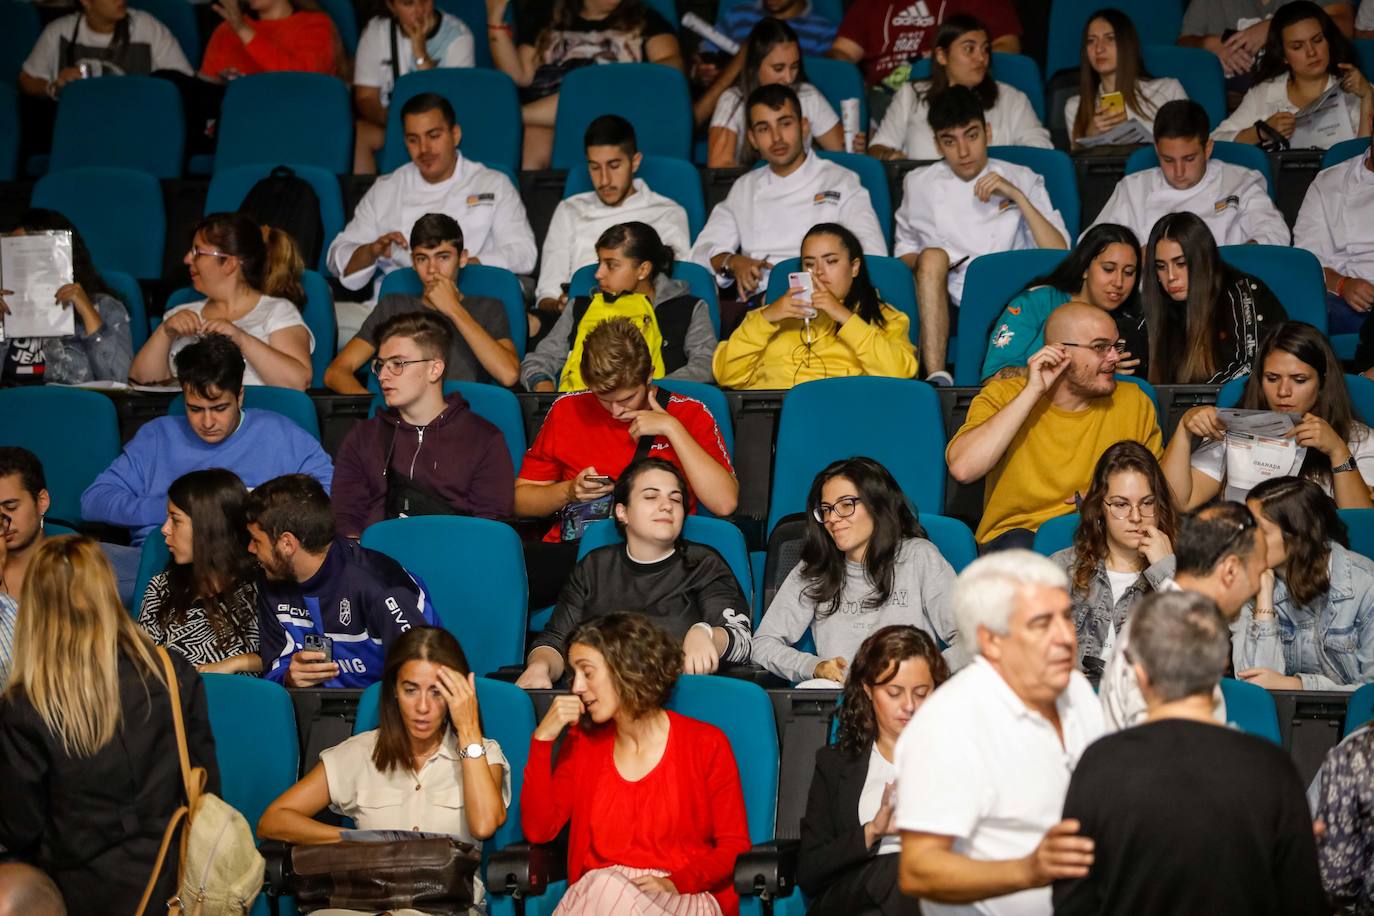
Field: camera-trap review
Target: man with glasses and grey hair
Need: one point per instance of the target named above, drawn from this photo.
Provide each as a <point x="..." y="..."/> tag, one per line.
<point x="984" y="765"/>
<point x="425" y="453"/>
<point x="1037" y="439"/>
<point x="1163" y="798"/>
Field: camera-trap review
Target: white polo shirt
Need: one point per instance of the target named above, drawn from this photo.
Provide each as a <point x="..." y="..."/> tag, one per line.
<point x="979" y="765"/>
<point x="766" y="216"/>
<point x="1232" y="200"/>
<point x="1012" y="122"/>
<point x="940" y="210"/>
<point x="1336" y="222"/>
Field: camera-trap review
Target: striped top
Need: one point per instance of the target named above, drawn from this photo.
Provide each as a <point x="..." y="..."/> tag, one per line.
<point x="9" y="610"/>
<point x="194" y="637"/>
<point x="815" y="33"/>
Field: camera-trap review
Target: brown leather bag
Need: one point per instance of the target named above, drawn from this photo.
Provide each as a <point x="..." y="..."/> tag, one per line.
<point x="433" y="875"/>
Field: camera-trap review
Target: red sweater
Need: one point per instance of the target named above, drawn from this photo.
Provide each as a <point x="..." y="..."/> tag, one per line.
<point x="686" y="816"/>
<point x="301" y="41"/>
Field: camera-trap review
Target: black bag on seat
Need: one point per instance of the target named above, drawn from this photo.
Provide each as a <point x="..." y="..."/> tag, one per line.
<point x="286" y="201"/>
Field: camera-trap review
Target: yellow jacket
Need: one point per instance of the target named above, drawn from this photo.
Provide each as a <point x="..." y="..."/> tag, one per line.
<point x="764" y="355"/>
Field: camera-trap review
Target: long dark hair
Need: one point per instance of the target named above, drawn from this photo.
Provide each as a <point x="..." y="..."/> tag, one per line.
<point x="1130" y="68"/>
<point x="1305" y="343"/>
<point x="629" y="16"/>
<point x="1309" y="522"/>
<point x="1183" y="339"/>
<point x="1090" y="540"/>
<point x="641" y="242"/>
<point x="216" y="502"/>
<point x="430" y="644"/>
<point x="862" y="298"/>
<point x="894" y="520"/>
<point x="1340" y="50"/>
<point x="950" y="31"/>
<point x="766" y="35"/>
<point x="876" y="663"/>
<point x="1070" y="275"/>
<point x="37" y="219"/>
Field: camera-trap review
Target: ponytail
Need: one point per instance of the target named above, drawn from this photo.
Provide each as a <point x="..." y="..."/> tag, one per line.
<point x="282" y="276"/>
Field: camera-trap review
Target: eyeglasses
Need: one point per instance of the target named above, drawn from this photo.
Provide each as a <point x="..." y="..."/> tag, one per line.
<point x="206" y="253"/>
<point x="1100" y="348"/>
<point x="843" y="508"/>
<point x="395" y="365"/>
<point x="1121" y="508"/>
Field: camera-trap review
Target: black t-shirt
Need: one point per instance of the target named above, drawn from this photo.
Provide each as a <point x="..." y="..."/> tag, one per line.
<point x="1188" y="817"/>
<point x="462" y="364"/>
<point x="589" y="31"/>
<point x="24" y="363"/>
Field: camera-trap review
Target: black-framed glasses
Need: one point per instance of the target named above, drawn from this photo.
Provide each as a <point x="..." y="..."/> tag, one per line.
<point x="395" y="365"/>
<point x="1121" y="508"/>
<point x="1100" y="347"/>
<point x="842" y="508"/>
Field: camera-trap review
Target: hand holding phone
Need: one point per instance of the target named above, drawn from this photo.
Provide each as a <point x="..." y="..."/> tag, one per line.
<point x="806" y="285"/>
<point x="1114" y="102"/>
<point x="314" y="642"/>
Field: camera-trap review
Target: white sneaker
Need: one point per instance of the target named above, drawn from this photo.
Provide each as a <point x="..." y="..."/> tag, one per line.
<point x="940" y="379"/>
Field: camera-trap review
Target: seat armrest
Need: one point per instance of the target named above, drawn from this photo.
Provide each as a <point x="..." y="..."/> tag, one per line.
<point x="525" y="869"/>
<point x="768" y="870"/>
<point x="278" y="856"/>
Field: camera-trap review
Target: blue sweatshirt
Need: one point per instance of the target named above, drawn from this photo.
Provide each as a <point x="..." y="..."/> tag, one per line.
<point x="361" y="599"/>
<point x="132" y="492"/>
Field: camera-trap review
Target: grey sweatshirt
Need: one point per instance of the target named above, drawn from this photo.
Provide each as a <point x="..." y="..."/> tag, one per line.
<point x="921" y="596"/>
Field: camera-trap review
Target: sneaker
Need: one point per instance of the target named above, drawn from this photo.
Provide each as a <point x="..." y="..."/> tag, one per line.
<point x="941" y="379"/>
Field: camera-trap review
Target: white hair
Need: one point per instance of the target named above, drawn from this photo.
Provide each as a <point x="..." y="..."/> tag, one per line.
<point x="986" y="591"/>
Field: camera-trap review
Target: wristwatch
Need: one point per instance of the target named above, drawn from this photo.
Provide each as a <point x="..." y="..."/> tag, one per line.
<point x="1349" y="465"/>
<point x="476" y="749"/>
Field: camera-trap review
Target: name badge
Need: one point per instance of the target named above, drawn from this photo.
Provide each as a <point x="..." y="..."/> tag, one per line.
<point x="1232" y="201"/>
<point x="826" y="197"/>
<point x="479" y="200"/>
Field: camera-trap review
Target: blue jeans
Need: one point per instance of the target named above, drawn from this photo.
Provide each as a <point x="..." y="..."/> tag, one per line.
<point x="1341" y="318"/>
<point x="125" y="561"/>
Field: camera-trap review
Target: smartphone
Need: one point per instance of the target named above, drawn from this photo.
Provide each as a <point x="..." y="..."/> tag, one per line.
<point x="805" y="283"/>
<point x="1114" y="102"/>
<point x="601" y="481"/>
<point x="314" y="642"/>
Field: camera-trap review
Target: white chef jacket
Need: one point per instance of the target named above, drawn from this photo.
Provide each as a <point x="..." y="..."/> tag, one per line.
<point x="766" y="217"/>
<point x="580" y="219"/>
<point x="1154" y="93"/>
<point x="1012" y="122"/>
<point x="1232" y="200"/>
<point x="940" y="210"/>
<point x="1336" y="222"/>
<point x="1271" y="96"/>
<point x="483" y="201"/>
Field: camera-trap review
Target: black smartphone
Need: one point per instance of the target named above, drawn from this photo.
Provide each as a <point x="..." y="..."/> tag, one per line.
<point x="601" y="481"/>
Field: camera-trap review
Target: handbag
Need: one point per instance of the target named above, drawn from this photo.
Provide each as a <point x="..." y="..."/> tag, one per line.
<point x="220" y="871"/>
<point x="434" y="875"/>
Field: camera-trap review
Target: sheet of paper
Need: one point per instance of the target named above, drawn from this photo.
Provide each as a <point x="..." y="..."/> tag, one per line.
<point x="33" y="268"/>
<point x="1127" y="133"/>
<point x="1320" y="122"/>
<point x="1256" y="449"/>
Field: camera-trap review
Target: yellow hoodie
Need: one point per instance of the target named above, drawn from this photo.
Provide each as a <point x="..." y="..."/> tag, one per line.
<point x="763" y="355"/>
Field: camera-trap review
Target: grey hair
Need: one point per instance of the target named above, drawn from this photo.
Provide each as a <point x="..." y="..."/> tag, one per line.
<point x="1182" y="642"/>
<point x="985" y="592"/>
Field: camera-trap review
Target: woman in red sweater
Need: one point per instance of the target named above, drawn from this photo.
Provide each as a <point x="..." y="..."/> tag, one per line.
<point x="280" y="35"/>
<point x="654" y="797"/>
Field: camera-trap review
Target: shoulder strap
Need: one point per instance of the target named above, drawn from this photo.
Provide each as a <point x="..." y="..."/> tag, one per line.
<point x="646" y="443"/>
<point x="395" y="59"/>
<point x="174" y="691"/>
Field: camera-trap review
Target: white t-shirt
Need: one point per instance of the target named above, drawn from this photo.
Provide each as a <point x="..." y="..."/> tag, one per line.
<point x="1154" y="93"/>
<point x="1364" y="20"/>
<point x="1210" y="458"/>
<point x="148" y="39"/>
<point x="1334" y="222"/>
<point x="1012" y="122"/>
<point x="1271" y="96"/>
<point x="730" y="113"/>
<point x="269" y="315"/>
<point x="450" y="46"/>
<point x="979" y="765"/>
<point x="880" y="773"/>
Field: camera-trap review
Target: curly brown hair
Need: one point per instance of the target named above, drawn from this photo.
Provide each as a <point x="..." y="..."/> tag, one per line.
<point x="876" y="663"/>
<point x="1090" y="540"/>
<point x="643" y="660"/>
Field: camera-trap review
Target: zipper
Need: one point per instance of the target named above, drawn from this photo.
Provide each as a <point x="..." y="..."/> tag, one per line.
<point x="209" y="861"/>
<point x="420" y="431"/>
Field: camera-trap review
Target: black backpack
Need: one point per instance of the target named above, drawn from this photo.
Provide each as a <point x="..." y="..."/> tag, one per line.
<point x="285" y="201"/>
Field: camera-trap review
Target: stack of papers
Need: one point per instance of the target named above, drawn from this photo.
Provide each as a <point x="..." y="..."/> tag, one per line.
<point x="1256" y="448"/>
<point x="1127" y="133"/>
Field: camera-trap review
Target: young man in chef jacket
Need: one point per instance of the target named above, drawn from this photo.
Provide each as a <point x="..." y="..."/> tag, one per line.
<point x="770" y="209"/>
<point x="1336" y="223"/>
<point x="967" y="205"/>
<point x="1232" y="200"/>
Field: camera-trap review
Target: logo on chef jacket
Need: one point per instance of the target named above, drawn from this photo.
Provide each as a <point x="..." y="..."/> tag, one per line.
<point x="826" y="197"/>
<point x="1005" y="205"/>
<point x="345" y="611"/>
<point x="1232" y="201"/>
<point x="482" y="200"/>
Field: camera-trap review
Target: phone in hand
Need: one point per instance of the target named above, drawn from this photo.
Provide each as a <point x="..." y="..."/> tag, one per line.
<point x="1114" y="102"/>
<point x="804" y="282"/>
<point x="600" y="481"/>
<point x="314" y="642"/>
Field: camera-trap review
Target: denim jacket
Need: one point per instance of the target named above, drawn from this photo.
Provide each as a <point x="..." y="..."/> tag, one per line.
<point x="1329" y="645"/>
<point x="1094" y="611"/>
<point x="103" y="356"/>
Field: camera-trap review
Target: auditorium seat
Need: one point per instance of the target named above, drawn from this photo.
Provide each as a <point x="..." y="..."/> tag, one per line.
<point x="492" y="403"/>
<point x="295" y="405"/>
<point x="873" y="177"/>
<point x="345" y="19"/>
<point x="474" y="16"/>
<point x="1242" y="154"/>
<point x="44" y="419"/>
<point x="286" y="117"/>
<point x="229" y="186"/>
<point x="1360" y="525"/>
<point x="1346" y="149"/>
<point x="485" y="103"/>
<point x="660" y="108"/>
<point x="474" y="572"/>
<point x="1294" y="275"/>
<point x="105" y="204"/>
<point x="1056" y="534"/>
<point x="474" y="280"/>
<point x="992" y="281"/>
<point x="1156" y="21"/>
<point x="700" y="282"/>
<point x="20" y="26"/>
<point x="838" y="80"/>
<point x="127" y="291"/>
<point x="180" y="19"/>
<point x="1250" y="708"/>
<point x="1198" y="69"/>
<point x="1361" y="708"/>
<point x="9" y="129"/>
<point x="1061" y="179"/>
<point x="152" y="559"/>
<point x="676" y="179"/>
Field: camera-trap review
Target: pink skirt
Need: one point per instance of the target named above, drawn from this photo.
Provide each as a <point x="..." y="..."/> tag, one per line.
<point x="612" y="892"/>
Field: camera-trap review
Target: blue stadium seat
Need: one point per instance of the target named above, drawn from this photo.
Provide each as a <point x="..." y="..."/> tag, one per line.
<point x="676" y="179"/>
<point x="891" y="276"/>
<point x="719" y="533"/>
<point x="152" y="559"/>
<point x="1360" y="524"/>
<point x="295" y="405"/>
<point x="1016" y="70"/>
<point x="492" y="403"/>
<point x="1361" y="708"/>
<point x="180" y="19"/>
<point x="1293" y="274"/>
<point x="1242" y="154"/>
<point x="830" y="419"/>
<point x="20" y="26"/>
<point x="229" y="186"/>
<point x="286" y="117"/>
<point x="345" y="19"/>
<point x="991" y="282"/>
<point x="1056" y="534"/>
<point x="1365" y="48"/>
<point x="103" y="203"/>
<point x="714" y="400"/>
<point x="9" y="128"/>
<point x="1157" y="22"/>
<point x="838" y="80"/>
<point x="474" y="571"/>
<point x="699" y="281"/>
<point x="1251" y="709"/>
<point x="1346" y="149"/>
<point x="1360" y="388"/>
<point x="952" y="537"/>
<point x="873" y="177"/>
<point x="474" y="16"/>
<point x="660" y="109"/>
<point x="485" y="102"/>
<point x="667" y="9"/>
<point x="475" y="280"/>
<point x="127" y="290"/>
<point x="1198" y="69"/>
<point x="1061" y="179"/>
<point x="42" y="418"/>
<point x="149" y="135"/>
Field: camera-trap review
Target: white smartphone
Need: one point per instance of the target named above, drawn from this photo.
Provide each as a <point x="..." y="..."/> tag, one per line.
<point x="802" y="281"/>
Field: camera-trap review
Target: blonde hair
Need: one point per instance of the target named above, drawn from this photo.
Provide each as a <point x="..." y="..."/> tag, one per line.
<point x="615" y="355"/>
<point x="285" y="267"/>
<point x="68" y="637"/>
